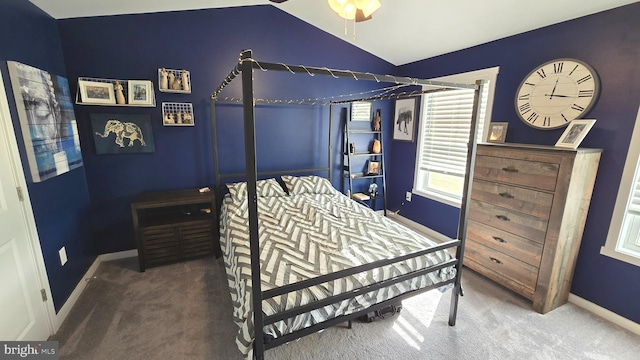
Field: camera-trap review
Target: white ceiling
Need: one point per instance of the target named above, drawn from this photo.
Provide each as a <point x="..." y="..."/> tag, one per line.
<point x="400" y="32"/>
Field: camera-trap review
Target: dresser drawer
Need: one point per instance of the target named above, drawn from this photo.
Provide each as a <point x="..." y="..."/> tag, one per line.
<point x="535" y="174"/>
<point x="502" y="264"/>
<point x="532" y="202"/>
<point x="517" y="247"/>
<point x="517" y="223"/>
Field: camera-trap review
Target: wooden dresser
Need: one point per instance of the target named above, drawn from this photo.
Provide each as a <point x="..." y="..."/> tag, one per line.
<point x="527" y="213"/>
<point x="174" y="225"/>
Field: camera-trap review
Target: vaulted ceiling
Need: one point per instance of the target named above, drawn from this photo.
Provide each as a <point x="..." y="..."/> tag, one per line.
<point x="400" y="32"/>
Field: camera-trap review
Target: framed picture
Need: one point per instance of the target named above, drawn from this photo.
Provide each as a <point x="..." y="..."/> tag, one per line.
<point x="575" y="133"/>
<point x="48" y="122"/>
<point x="361" y="111"/>
<point x="96" y="92"/>
<point x="122" y="133"/>
<point x="497" y="132"/>
<point x="404" y="119"/>
<point x="140" y="92"/>
<point x="373" y="168"/>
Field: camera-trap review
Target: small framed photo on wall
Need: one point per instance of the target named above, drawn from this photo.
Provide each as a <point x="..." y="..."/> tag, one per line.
<point x="404" y="120"/>
<point x="497" y="132"/>
<point x="94" y="92"/>
<point x="140" y="92"/>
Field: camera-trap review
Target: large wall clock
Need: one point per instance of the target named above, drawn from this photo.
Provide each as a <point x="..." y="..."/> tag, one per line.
<point x="557" y="92"/>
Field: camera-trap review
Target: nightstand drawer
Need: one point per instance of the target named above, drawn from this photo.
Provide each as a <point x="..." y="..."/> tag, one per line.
<point x="502" y="264"/>
<point x="517" y="223"/>
<point x="532" y="202"/>
<point x="517" y="247"/>
<point x="535" y="174"/>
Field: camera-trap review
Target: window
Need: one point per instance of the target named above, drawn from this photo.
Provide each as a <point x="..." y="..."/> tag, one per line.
<point x="623" y="240"/>
<point x="441" y="154"/>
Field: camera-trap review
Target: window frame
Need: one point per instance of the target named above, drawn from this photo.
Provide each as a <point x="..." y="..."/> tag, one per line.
<point x="616" y="236"/>
<point x="490" y="74"/>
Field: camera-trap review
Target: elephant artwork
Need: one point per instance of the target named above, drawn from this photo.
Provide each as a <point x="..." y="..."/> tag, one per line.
<point x="130" y="136"/>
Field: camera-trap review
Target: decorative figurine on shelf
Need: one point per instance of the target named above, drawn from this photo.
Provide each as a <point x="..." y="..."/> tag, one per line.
<point x="176" y="84"/>
<point x="376" y="147"/>
<point x="377" y="120"/>
<point x="178" y="118"/>
<point x="187" y="118"/>
<point x="168" y="118"/>
<point x="119" y="95"/>
<point x="373" y="190"/>
<point x="164" y="82"/>
<point x="185" y="81"/>
<point x="172" y="79"/>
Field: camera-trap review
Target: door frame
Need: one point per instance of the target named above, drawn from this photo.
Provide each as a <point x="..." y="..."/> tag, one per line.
<point x="6" y="124"/>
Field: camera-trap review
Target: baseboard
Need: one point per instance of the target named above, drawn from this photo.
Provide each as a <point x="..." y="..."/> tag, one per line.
<point x="118" y="255"/>
<point x="605" y="314"/>
<point x="430" y="233"/>
<point x="68" y="305"/>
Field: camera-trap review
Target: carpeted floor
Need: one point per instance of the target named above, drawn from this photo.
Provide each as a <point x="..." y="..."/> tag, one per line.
<point x="183" y="311"/>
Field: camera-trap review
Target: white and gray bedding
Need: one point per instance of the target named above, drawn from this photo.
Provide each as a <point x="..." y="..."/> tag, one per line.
<point x="313" y="231"/>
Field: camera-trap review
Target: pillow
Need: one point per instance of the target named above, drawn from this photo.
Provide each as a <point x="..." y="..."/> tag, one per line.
<point x="308" y="185"/>
<point x="264" y="188"/>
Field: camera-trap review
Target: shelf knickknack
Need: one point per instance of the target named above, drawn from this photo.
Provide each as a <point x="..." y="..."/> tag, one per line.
<point x="174" y="81"/>
<point x="177" y="114"/>
<point x="115" y="92"/>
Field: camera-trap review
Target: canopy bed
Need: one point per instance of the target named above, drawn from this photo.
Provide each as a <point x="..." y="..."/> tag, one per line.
<point x="302" y="260"/>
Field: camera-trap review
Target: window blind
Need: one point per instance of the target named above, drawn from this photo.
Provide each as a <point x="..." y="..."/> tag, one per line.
<point x="446" y="125"/>
<point x="634" y="201"/>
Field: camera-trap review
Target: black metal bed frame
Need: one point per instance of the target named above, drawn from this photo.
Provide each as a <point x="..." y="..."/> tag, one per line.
<point x="246" y="65"/>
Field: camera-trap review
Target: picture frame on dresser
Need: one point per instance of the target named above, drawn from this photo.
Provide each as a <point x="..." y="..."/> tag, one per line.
<point x="497" y="132"/>
<point x="94" y="92"/>
<point x="575" y="133"/>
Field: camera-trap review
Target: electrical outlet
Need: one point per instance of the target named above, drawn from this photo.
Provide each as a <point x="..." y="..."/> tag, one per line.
<point x="63" y="256"/>
<point x="408" y="196"/>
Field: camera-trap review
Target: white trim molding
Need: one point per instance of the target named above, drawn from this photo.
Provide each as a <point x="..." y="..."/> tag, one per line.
<point x="608" y="315"/>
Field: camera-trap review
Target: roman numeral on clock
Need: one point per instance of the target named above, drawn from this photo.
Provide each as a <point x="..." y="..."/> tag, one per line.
<point x="586" y="78"/>
<point x="577" y="107"/>
<point x="525" y="108"/>
<point x="557" y="67"/>
<point x="533" y="117"/>
<point x="524" y="97"/>
<point x="547" y="121"/>
<point x="585" y="93"/>
<point x="541" y="73"/>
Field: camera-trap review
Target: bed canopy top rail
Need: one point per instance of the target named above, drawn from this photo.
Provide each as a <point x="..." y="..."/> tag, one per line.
<point x="246" y="57"/>
<point x="245" y="66"/>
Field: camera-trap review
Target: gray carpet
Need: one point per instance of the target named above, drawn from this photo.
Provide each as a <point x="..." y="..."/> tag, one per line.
<point x="183" y="311"/>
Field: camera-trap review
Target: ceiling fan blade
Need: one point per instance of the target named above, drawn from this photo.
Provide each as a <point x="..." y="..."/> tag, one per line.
<point x="360" y="16"/>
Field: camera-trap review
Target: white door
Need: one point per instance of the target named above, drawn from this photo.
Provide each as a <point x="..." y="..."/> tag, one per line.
<point x="23" y="314"/>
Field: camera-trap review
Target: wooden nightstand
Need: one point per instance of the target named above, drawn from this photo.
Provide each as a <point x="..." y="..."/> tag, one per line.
<point x="174" y="225"/>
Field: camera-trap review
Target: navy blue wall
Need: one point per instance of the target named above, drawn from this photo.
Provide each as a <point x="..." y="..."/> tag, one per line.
<point x="207" y="43"/>
<point x="608" y="41"/>
<point x="61" y="204"/>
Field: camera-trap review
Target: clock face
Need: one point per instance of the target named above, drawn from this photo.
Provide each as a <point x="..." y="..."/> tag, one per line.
<point x="557" y="92"/>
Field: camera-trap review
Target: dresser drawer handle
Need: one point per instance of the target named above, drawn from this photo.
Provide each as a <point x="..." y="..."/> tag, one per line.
<point x="506" y="195"/>
<point x="495" y="261"/>
<point x="510" y="169"/>
<point x="499" y="239"/>
<point x="503" y="218"/>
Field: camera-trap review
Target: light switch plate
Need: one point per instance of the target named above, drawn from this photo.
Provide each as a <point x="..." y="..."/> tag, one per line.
<point x="63" y="256"/>
<point x="408" y="196"/>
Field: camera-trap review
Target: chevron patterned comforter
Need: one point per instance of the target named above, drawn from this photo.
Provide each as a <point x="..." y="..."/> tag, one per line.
<point x="303" y="236"/>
